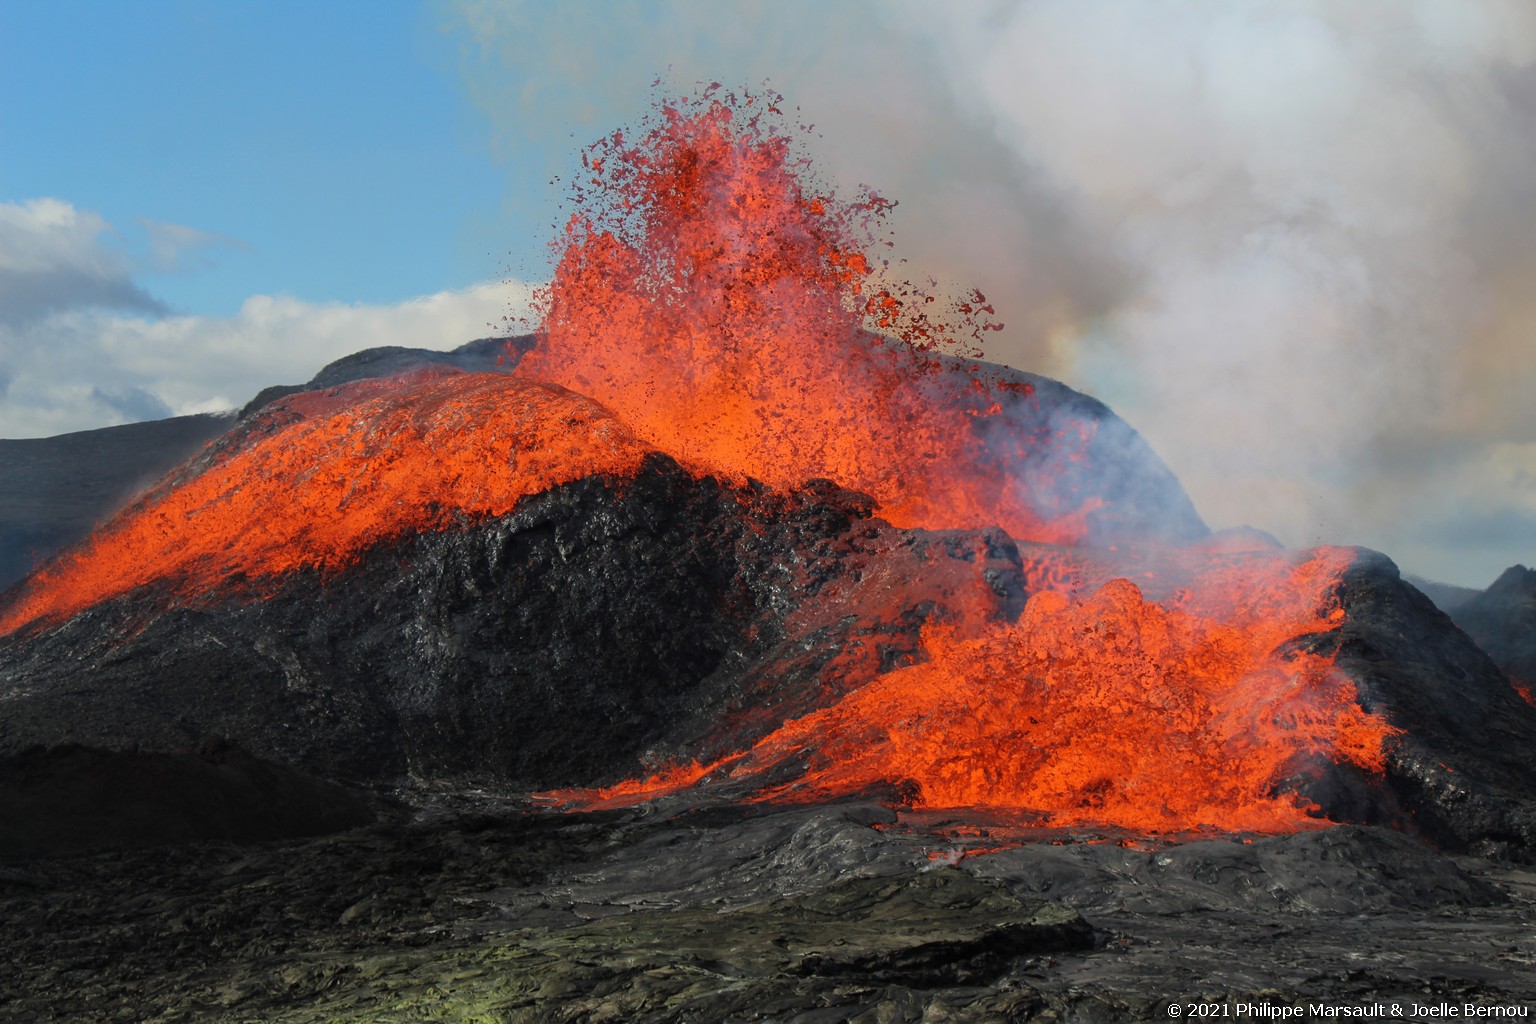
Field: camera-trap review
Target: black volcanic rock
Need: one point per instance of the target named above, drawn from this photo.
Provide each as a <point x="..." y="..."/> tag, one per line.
<point x="1463" y="767"/>
<point x="826" y="913"/>
<point x="71" y="800"/>
<point x="609" y="627"/>
<point x="53" y="490"/>
<point x="596" y="625"/>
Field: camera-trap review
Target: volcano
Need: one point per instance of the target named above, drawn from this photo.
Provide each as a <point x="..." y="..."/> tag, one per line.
<point x="521" y="591"/>
<point x="746" y="529"/>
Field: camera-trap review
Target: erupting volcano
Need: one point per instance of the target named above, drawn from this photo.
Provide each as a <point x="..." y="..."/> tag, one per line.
<point x="745" y="517"/>
<point x="731" y="311"/>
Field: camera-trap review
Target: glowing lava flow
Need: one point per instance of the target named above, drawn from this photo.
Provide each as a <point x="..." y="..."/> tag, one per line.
<point x="1523" y="690"/>
<point x="718" y="306"/>
<point x="1111" y="710"/>
<point x="319" y="477"/>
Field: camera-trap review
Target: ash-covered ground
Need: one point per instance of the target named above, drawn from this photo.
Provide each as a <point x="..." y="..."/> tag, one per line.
<point x="843" y="912"/>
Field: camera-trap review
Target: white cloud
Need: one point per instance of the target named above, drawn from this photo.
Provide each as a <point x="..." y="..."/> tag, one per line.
<point x="91" y="368"/>
<point x="82" y="346"/>
<point x="43" y="234"/>
<point x="1317" y="207"/>
<point x="55" y="257"/>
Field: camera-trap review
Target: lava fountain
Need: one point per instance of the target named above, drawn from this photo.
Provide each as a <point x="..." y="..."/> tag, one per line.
<point x="1104" y="710"/>
<point x="731" y="312"/>
<point x="734" y="315"/>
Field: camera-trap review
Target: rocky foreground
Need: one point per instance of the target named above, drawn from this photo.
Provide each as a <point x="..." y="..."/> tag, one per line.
<point x="847" y="912"/>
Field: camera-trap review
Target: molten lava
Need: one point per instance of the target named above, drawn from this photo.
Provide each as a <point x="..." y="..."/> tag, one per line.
<point x="718" y="305"/>
<point x="317" y="478"/>
<point x="1109" y="710"/>
<point x="1523" y="690"/>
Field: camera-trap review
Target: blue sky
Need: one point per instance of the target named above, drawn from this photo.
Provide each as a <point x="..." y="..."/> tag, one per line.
<point x="327" y="148"/>
<point x="1293" y="242"/>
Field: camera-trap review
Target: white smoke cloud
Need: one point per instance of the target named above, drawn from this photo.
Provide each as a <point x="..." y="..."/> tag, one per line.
<point x="82" y="346"/>
<point x="1291" y="184"/>
<point x="1295" y="187"/>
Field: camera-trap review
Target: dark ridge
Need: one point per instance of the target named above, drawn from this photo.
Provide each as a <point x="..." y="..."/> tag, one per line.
<point x="54" y="490"/>
<point x="483" y="355"/>
<point x="1463" y="767"/>
<point x="1502" y="619"/>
